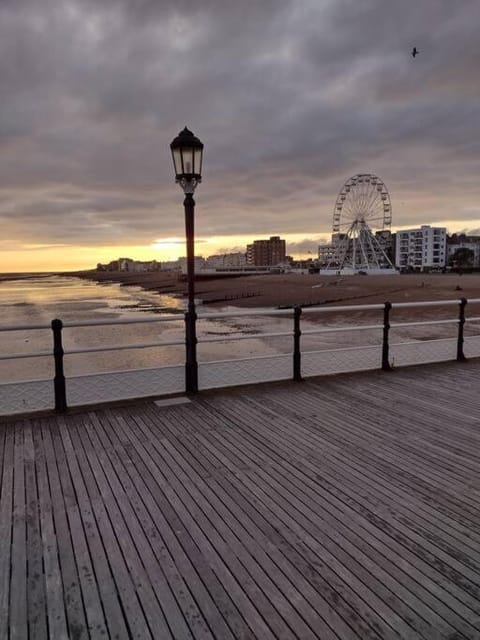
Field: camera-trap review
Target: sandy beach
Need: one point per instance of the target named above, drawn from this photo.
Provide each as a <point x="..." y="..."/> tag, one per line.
<point x="305" y="289"/>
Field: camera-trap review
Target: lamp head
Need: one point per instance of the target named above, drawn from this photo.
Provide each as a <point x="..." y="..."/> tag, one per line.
<point x="187" y="154"/>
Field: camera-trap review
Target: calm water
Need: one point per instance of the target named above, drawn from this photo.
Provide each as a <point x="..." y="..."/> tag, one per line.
<point x="38" y="300"/>
<point x="41" y="299"/>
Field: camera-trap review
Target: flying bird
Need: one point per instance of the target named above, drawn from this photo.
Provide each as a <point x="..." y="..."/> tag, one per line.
<point x="415" y="52"/>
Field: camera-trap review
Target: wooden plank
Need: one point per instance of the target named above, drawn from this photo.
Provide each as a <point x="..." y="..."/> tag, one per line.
<point x="36" y="598"/>
<point x="471" y="546"/>
<point x="419" y="425"/>
<point x="177" y="604"/>
<point x="129" y="595"/>
<point x="259" y="513"/>
<point x="411" y="476"/>
<point x="96" y="626"/>
<point x="459" y="578"/>
<point x="6" y="508"/>
<point x="125" y="531"/>
<point x="265" y="573"/>
<point x="281" y="569"/>
<point x="442" y="516"/>
<point x="3" y="433"/>
<point x="254" y="608"/>
<point x="311" y="508"/>
<point x="118" y="626"/>
<point x="74" y="605"/>
<point x="359" y="552"/>
<point x="169" y="552"/>
<point x="267" y="532"/>
<point x="18" y="575"/>
<point x="334" y="546"/>
<point x="386" y="447"/>
<point x="442" y="464"/>
<point x="186" y="553"/>
<point x="54" y="594"/>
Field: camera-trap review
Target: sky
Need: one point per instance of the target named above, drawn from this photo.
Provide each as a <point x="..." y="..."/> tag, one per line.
<point x="289" y="97"/>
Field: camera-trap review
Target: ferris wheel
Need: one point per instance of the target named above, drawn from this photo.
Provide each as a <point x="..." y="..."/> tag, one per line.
<point x="362" y="219"/>
<point x="362" y="199"/>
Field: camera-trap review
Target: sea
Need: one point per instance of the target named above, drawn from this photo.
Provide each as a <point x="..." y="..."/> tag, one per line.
<point x="38" y="299"/>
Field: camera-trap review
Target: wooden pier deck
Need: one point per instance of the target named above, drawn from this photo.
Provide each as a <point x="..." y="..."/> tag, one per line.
<point x="336" y="508"/>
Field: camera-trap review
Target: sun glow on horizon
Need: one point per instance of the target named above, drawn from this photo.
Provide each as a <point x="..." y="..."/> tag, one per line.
<point x="60" y="257"/>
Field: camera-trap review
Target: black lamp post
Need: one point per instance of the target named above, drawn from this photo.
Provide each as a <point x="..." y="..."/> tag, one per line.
<point x="187" y="152"/>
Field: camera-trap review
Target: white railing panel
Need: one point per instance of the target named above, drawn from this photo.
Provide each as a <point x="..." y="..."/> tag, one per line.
<point x="471" y="347"/>
<point x="227" y="373"/>
<point x="24" y="397"/>
<point x="124" y="385"/>
<point x="423" y="352"/>
<point x="331" y="361"/>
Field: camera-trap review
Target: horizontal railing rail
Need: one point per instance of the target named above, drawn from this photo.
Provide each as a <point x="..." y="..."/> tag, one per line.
<point x="59" y="351"/>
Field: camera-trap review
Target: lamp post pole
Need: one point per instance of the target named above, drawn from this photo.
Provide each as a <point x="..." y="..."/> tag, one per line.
<point x="191" y="366"/>
<point x="187" y="154"/>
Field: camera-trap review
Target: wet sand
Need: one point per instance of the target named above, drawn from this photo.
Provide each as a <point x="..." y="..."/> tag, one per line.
<point x="306" y="289"/>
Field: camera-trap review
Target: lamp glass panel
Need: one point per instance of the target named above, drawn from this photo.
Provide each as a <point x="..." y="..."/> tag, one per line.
<point x="177" y="161"/>
<point x="187" y="154"/>
<point x="198" y="161"/>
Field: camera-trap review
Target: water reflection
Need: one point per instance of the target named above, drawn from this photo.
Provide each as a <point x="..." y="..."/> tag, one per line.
<point x="39" y="300"/>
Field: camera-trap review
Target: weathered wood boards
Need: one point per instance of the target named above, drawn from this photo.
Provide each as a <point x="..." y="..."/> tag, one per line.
<point x="333" y="509"/>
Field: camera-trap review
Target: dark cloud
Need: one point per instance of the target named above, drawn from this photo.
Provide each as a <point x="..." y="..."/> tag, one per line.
<point x="290" y="97"/>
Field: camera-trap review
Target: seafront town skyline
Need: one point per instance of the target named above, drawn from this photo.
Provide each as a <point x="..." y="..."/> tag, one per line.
<point x="299" y="249"/>
<point x="290" y="98"/>
<point x="437" y="249"/>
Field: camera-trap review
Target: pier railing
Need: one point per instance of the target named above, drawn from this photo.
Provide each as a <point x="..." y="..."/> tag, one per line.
<point x="390" y="344"/>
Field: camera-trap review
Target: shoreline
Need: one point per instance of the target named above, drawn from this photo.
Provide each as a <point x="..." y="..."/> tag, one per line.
<point x="306" y="290"/>
<point x="280" y="290"/>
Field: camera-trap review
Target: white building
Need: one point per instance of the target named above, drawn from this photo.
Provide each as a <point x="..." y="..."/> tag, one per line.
<point x="137" y="266"/>
<point x="326" y="251"/>
<point x="238" y="259"/>
<point x="169" y="265"/>
<point x="223" y="260"/>
<point x="421" y="249"/>
<point x="198" y="261"/>
<point x="462" y="241"/>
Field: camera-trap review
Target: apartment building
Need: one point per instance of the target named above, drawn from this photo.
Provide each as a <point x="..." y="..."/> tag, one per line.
<point x="421" y="249"/>
<point x="267" y="252"/>
<point x="326" y="251"/>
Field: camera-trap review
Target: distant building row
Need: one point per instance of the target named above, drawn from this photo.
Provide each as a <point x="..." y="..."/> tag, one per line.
<point x="127" y="265"/>
<point x="420" y="249"/>
<point x="261" y="253"/>
<point x="423" y="248"/>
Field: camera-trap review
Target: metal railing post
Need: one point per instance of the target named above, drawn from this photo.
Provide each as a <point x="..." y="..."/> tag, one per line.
<point x="461" y="321"/>
<point x="297" y="355"/>
<point x="385" y="345"/>
<point x="59" y="379"/>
